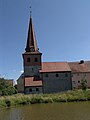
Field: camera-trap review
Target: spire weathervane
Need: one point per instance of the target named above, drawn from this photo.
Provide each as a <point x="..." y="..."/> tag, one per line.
<point x="30" y="10"/>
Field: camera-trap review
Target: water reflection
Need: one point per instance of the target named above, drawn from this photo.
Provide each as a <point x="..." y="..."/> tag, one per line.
<point x="56" y="111"/>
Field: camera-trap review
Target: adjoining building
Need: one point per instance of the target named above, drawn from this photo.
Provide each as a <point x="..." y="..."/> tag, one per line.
<point x="56" y="77"/>
<point x="80" y="70"/>
<point x="47" y="77"/>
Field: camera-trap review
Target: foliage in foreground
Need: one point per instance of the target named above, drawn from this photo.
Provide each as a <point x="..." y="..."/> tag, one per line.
<point x="84" y="83"/>
<point x="6" y="88"/>
<point x="21" y="99"/>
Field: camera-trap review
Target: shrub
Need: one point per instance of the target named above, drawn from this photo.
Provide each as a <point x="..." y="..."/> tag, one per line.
<point x="8" y="102"/>
<point x="21" y="99"/>
<point x="84" y="84"/>
<point x="2" y="102"/>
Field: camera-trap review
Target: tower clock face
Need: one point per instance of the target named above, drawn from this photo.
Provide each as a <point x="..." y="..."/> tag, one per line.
<point x="32" y="49"/>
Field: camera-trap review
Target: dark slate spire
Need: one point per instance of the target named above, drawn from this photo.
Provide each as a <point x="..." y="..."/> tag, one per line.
<point x="31" y="45"/>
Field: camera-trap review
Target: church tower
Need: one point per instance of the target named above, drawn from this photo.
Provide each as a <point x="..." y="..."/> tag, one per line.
<point x="32" y="56"/>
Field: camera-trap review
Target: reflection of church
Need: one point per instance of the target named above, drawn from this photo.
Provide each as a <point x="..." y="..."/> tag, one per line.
<point x="47" y="77"/>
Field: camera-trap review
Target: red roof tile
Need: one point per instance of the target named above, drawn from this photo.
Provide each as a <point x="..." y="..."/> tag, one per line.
<point x="87" y="63"/>
<point x="55" y="67"/>
<point x="30" y="81"/>
<point x="77" y="67"/>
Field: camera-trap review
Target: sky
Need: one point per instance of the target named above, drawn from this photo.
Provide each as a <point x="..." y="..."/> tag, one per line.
<point x="62" y="29"/>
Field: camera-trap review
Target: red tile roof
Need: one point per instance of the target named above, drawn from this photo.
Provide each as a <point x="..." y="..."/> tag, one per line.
<point x="30" y="81"/>
<point x="55" y="67"/>
<point x="87" y="63"/>
<point x="77" y="67"/>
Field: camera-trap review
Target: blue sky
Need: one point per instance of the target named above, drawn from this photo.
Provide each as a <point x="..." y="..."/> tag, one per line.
<point x="62" y="30"/>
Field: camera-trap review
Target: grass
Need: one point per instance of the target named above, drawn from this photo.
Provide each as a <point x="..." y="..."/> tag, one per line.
<point x="21" y="99"/>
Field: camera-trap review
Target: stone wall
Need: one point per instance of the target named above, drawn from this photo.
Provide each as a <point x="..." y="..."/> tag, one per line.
<point x="20" y="84"/>
<point x="33" y="90"/>
<point x="77" y="77"/>
<point x="53" y="83"/>
<point x="31" y="70"/>
<point x="32" y="61"/>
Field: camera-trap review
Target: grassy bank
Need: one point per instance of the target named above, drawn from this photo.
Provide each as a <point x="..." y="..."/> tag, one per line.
<point x="21" y="99"/>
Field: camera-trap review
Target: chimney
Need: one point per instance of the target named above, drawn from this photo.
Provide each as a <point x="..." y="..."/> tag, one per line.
<point x="81" y="62"/>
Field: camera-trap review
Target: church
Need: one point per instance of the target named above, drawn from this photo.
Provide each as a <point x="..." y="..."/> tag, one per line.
<point x="49" y="77"/>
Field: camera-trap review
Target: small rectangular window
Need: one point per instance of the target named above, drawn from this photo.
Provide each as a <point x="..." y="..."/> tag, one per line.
<point x="66" y="75"/>
<point x="46" y="75"/>
<point x="37" y="89"/>
<point x="74" y="82"/>
<point x="78" y="81"/>
<point x="36" y="59"/>
<point x="28" y="59"/>
<point x="30" y="90"/>
<point x="85" y="75"/>
<point x="77" y="74"/>
<point x="57" y="75"/>
<point x="71" y="75"/>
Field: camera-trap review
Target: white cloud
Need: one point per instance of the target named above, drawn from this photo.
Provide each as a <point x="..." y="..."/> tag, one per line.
<point x="21" y="71"/>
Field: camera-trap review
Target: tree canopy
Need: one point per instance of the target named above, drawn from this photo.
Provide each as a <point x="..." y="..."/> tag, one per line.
<point x="6" y="88"/>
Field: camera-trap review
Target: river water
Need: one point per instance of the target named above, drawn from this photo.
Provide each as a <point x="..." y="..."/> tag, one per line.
<point x="55" y="111"/>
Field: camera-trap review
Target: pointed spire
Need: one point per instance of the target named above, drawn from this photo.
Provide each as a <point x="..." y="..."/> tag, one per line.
<point x="31" y="45"/>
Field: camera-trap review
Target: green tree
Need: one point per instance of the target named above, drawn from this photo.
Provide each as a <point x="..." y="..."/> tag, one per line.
<point x="84" y="83"/>
<point x="6" y="88"/>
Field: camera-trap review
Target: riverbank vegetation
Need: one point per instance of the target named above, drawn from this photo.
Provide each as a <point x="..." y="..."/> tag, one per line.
<point x="21" y="99"/>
